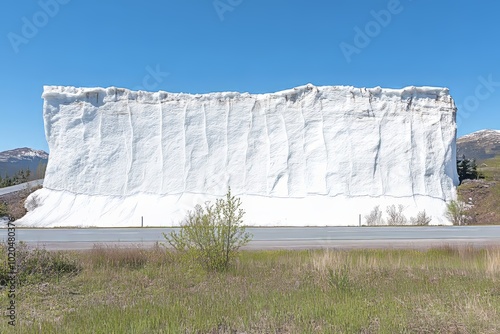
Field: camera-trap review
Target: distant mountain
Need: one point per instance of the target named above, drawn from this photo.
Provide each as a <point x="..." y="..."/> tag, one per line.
<point x="13" y="161"/>
<point x="480" y="145"/>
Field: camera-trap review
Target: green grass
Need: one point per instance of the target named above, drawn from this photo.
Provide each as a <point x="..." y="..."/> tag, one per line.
<point x="446" y="290"/>
<point x="492" y="169"/>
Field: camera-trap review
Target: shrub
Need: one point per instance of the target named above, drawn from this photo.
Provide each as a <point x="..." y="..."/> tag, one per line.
<point x="396" y="217"/>
<point x="421" y="220"/>
<point x="456" y="212"/>
<point x="212" y="235"/>
<point x="375" y="217"/>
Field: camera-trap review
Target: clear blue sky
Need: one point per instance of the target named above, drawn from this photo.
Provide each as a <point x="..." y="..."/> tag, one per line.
<point x="252" y="46"/>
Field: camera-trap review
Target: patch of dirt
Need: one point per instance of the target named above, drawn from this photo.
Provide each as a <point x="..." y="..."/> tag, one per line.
<point x="484" y="200"/>
<point x="15" y="202"/>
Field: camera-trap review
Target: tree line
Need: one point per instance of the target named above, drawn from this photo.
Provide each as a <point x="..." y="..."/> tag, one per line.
<point x="23" y="176"/>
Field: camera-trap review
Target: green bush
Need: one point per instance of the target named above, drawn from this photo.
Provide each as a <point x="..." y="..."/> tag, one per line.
<point x="212" y="235"/>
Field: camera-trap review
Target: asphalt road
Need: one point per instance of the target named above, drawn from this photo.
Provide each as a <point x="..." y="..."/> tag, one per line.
<point x="273" y="238"/>
<point x="19" y="187"/>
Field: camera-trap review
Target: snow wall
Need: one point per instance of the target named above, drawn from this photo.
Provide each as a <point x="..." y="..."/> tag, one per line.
<point x="308" y="156"/>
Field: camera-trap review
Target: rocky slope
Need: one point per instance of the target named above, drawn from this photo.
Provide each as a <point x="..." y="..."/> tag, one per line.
<point x="480" y="145"/>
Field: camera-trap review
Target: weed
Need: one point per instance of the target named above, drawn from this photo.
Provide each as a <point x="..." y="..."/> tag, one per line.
<point x="339" y="278"/>
<point x="34" y="265"/>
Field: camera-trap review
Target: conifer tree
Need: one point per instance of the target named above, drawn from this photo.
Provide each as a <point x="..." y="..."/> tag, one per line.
<point x="466" y="169"/>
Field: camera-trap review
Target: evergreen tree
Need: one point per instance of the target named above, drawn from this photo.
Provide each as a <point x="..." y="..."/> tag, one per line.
<point x="473" y="170"/>
<point x="462" y="168"/>
<point x="466" y="169"/>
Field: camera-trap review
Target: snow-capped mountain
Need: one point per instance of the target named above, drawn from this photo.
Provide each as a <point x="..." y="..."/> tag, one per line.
<point x="479" y="145"/>
<point x="25" y="158"/>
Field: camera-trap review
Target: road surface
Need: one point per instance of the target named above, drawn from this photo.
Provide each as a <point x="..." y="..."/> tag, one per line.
<point x="19" y="187"/>
<point x="274" y="238"/>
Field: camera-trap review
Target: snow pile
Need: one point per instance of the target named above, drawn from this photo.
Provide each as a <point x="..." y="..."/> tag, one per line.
<point x="304" y="156"/>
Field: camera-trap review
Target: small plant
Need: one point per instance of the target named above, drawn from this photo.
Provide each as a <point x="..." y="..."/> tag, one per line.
<point x="421" y="220"/>
<point x="456" y="212"/>
<point x="375" y="217"/>
<point x="339" y="278"/>
<point x="212" y="235"/>
<point x="396" y="217"/>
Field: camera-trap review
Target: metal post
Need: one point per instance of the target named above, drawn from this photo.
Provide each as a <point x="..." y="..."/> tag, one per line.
<point x="360" y="219"/>
<point x="142" y="221"/>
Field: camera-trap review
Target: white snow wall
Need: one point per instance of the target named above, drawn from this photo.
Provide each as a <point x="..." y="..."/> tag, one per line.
<point x="305" y="156"/>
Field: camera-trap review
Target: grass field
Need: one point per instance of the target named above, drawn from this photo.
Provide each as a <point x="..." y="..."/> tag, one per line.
<point x="446" y="290"/>
<point x="490" y="168"/>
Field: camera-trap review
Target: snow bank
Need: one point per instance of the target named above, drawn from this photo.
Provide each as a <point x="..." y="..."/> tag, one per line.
<point x="304" y="156"/>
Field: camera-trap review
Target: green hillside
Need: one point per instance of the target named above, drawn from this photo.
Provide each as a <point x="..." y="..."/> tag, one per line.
<point x="483" y="194"/>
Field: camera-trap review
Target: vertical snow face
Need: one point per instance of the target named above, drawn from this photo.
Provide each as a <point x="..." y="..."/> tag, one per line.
<point x="339" y="150"/>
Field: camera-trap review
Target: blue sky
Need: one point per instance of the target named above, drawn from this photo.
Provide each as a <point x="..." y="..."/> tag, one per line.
<point x="249" y="46"/>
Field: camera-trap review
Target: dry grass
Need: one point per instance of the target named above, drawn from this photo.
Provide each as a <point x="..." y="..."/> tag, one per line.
<point x="493" y="261"/>
<point x="116" y="257"/>
<point x="444" y="290"/>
